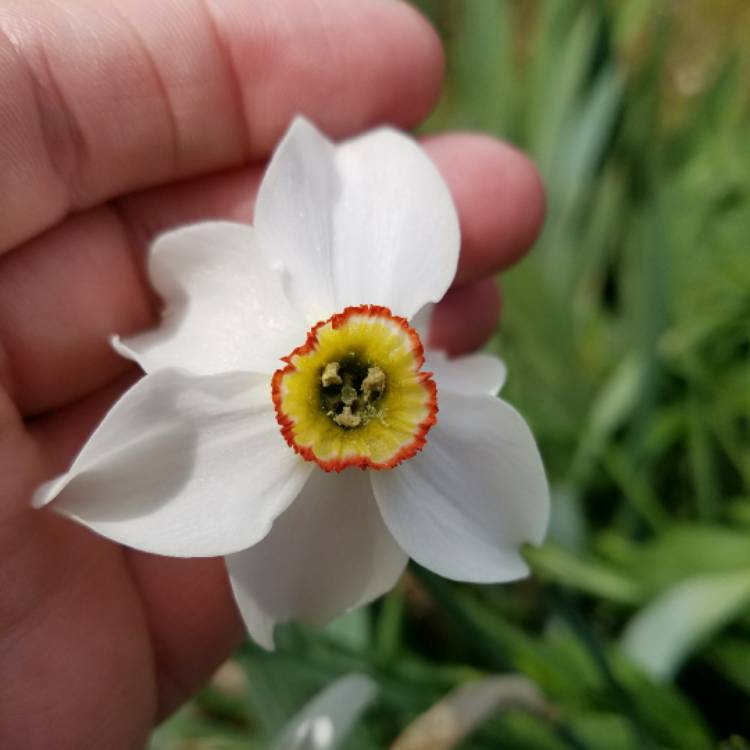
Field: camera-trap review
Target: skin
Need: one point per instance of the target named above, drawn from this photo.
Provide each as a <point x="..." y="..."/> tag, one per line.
<point x="120" y="119"/>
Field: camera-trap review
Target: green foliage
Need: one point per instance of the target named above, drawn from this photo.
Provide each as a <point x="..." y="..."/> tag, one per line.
<point x="627" y="334"/>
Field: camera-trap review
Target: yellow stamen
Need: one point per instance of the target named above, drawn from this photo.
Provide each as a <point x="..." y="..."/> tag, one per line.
<point x="354" y="394"/>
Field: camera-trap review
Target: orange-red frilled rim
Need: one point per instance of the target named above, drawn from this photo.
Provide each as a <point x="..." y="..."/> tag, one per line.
<point x="353" y="394"/>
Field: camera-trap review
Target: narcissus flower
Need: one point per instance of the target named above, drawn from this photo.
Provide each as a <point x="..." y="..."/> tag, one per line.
<point x="290" y="419"/>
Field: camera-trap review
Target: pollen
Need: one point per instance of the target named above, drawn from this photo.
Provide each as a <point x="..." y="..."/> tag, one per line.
<point x="354" y="393"/>
<point x="351" y="400"/>
<point x="331" y="375"/>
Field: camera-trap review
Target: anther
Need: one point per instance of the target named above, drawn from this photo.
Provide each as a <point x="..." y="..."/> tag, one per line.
<point x="374" y="382"/>
<point x="347" y="418"/>
<point x="331" y="375"/>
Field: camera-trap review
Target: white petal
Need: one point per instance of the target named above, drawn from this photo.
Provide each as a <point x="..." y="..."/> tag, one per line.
<point x="182" y="465"/>
<point x="396" y="230"/>
<point x="328" y="553"/>
<point x="472" y="375"/>
<point x="370" y="221"/>
<point x="225" y="308"/>
<point x="422" y="322"/>
<point x="476" y="493"/>
<point x="294" y="218"/>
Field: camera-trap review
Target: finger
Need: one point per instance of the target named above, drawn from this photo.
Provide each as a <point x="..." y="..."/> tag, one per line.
<point x="188" y="602"/>
<point x="101" y="98"/>
<point x="73" y="640"/>
<point x="51" y="567"/>
<point x="55" y="319"/>
<point x="500" y="199"/>
<point x="466" y="317"/>
<point x="61" y="297"/>
<point x="60" y="434"/>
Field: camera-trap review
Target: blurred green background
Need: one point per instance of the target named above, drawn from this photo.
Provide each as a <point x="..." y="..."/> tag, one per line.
<point x="627" y="334"/>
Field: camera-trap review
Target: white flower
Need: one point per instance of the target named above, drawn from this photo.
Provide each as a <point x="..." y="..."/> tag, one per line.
<point x="349" y="242"/>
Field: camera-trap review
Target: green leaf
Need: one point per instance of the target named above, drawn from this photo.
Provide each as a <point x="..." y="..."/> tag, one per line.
<point x="731" y="657"/>
<point x="688" y="551"/>
<point x="584" y="574"/>
<point x="612" y="405"/>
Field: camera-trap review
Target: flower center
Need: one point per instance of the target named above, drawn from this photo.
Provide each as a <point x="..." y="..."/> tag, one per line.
<point x="351" y="392"/>
<point x="354" y="394"/>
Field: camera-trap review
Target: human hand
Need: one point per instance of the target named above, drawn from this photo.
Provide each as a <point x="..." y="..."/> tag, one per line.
<point x="105" y="108"/>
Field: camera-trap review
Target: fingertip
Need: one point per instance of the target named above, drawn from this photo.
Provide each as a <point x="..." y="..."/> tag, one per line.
<point x="362" y="64"/>
<point x="532" y="198"/>
<point x="499" y="197"/>
<point x="414" y="65"/>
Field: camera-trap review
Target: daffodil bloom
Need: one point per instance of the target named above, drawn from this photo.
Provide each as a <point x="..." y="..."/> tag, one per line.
<point x="290" y="419"/>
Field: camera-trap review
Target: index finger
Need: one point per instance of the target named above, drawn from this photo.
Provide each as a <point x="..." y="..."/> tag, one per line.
<point x="103" y="98"/>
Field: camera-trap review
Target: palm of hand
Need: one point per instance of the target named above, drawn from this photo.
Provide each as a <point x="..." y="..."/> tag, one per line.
<point x="97" y="641"/>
